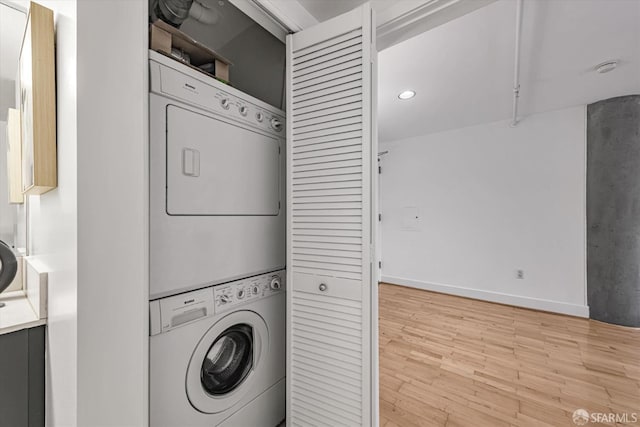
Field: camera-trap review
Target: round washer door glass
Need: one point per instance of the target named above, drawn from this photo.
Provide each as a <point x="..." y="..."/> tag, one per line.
<point x="228" y="361"/>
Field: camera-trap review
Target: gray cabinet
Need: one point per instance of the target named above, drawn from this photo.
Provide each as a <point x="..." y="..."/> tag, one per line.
<point x="22" y="378"/>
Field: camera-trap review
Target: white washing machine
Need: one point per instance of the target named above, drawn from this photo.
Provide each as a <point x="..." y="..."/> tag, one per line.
<point x="217" y="355"/>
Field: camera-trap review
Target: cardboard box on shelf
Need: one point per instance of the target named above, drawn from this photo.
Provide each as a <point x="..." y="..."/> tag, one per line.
<point x="164" y="37"/>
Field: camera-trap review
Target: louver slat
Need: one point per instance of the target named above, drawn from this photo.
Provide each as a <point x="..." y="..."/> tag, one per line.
<point x="328" y="93"/>
<point x="336" y="62"/>
<point x="340" y="67"/>
<point x="326" y="151"/>
<point x="340" y="140"/>
<point x="305" y="125"/>
<point x="328" y="56"/>
<point x="314" y="83"/>
<point x="301" y="54"/>
<point x="302" y="112"/>
<point x="330" y="113"/>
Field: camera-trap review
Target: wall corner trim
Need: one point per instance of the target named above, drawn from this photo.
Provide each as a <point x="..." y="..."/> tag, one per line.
<point x="515" y="300"/>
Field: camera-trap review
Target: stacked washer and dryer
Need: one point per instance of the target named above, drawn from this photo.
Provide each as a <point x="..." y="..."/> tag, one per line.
<point x="217" y="253"/>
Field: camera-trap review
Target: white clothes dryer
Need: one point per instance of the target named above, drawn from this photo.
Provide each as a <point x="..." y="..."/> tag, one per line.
<point x="217" y="181"/>
<point x="217" y="355"/>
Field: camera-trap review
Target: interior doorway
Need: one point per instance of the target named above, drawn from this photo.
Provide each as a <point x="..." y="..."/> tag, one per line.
<point x="482" y="205"/>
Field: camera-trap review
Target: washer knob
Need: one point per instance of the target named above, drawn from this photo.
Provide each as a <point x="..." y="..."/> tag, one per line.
<point x="224" y="299"/>
<point x="225" y="103"/>
<point x="259" y="117"/>
<point x="275" y="284"/>
<point x="276" y="124"/>
<point x="255" y="289"/>
<point x="241" y="293"/>
<point x="243" y="110"/>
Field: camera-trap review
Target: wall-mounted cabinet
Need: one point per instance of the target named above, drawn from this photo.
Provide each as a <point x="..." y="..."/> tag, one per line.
<point x="14" y="156"/>
<point x="38" y="103"/>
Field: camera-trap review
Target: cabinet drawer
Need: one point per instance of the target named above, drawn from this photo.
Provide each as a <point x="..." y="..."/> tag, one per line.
<point x="328" y="286"/>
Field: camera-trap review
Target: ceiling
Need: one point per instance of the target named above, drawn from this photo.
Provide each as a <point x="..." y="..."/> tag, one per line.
<point x="12" y="22"/>
<point x="462" y="71"/>
<point x="327" y="9"/>
<point x="322" y="10"/>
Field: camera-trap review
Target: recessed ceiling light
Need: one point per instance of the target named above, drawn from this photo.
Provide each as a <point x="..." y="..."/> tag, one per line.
<point x="407" y="94"/>
<point x="606" y="66"/>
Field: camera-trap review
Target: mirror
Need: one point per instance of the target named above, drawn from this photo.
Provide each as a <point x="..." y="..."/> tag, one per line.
<point x="13" y="206"/>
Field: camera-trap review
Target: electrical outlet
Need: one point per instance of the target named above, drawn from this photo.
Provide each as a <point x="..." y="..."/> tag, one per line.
<point x="519" y="274"/>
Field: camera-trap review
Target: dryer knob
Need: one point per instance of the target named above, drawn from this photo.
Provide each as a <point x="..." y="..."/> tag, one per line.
<point x="275" y="284"/>
<point x="276" y="124"/>
<point x="243" y="110"/>
<point x="225" y="103"/>
<point x="241" y="293"/>
<point x="255" y="289"/>
<point x="259" y="117"/>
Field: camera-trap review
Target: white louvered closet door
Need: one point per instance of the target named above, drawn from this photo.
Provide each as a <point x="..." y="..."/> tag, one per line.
<point x="330" y="143"/>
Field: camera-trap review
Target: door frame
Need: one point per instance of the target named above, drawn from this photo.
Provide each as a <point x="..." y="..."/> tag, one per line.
<point x="395" y="23"/>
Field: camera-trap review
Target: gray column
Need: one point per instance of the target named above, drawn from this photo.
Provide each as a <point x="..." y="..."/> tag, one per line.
<point x="613" y="210"/>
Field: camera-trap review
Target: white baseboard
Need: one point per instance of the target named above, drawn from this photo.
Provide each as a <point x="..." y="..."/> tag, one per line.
<point x="516" y="300"/>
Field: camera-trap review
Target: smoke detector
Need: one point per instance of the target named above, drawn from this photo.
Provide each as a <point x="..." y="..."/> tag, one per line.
<point x="606" y="66"/>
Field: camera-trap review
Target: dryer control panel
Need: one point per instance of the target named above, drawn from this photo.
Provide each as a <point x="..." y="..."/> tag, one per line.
<point x="171" y="78"/>
<point x="230" y="295"/>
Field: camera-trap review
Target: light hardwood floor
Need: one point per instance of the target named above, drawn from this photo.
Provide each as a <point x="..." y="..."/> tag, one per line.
<point x="452" y="361"/>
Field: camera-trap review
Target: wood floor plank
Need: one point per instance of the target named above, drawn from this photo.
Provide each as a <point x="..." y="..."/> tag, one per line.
<point x="452" y="361"/>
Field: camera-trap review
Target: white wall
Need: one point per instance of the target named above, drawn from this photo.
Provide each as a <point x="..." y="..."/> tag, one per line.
<point x="112" y="213"/>
<point x="53" y="233"/>
<point x="7" y="211"/>
<point x="91" y="231"/>
<point x="257" y="56"/>
<point x="490" y="200"/>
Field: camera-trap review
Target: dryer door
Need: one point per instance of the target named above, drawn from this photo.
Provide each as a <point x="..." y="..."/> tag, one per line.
<point x="215" y="167"/>
<point x="224" y="366"/>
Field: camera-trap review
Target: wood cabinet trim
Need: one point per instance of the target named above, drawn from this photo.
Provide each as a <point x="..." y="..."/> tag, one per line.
<point x="41" y="31"/>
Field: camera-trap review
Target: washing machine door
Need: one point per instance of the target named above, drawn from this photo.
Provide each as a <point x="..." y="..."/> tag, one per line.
<point x="225" y="362"/>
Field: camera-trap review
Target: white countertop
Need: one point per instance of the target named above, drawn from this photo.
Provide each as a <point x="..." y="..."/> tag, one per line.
<point x="17" y="313"/>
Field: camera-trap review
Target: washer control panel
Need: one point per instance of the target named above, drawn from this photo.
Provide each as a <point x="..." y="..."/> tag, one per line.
<point x="230" y="295"/>
<point x="172" y="312"/>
